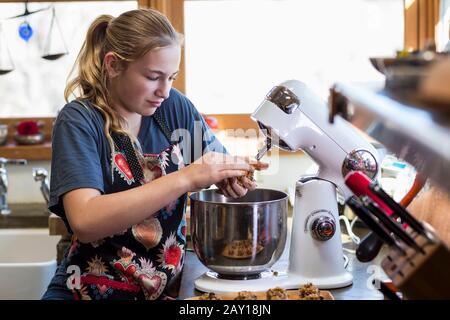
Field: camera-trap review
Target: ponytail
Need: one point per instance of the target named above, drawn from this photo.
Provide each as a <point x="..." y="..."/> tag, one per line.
<point x="129" y="36"/>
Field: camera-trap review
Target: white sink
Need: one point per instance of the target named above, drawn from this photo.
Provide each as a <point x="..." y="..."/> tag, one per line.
<point x="27" y="263"/>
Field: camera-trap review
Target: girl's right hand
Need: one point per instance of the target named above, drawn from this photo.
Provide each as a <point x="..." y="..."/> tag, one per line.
<point x="212" y="168"/>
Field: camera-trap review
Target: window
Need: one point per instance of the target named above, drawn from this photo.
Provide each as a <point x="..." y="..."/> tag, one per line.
<point x="236" y="51"/>
<point x="444" y="26"/>
<point x="36" y="86"/>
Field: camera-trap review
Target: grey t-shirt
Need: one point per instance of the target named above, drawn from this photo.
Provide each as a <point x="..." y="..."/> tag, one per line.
<point x="82" y="155"/>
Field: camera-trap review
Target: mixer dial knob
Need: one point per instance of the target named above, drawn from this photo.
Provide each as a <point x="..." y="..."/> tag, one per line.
<point x="323" y="228"/>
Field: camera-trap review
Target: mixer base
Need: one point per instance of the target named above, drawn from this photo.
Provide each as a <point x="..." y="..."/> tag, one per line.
<point x="212" y="282"/>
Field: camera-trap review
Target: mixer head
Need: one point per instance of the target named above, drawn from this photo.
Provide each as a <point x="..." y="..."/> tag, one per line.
<point x="287" y="117"/>
<point x="283" y="98"/>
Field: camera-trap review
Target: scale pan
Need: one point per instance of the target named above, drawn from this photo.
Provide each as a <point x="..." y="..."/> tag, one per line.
<point x="53" y="56"/>
<point x="5" y="71"/>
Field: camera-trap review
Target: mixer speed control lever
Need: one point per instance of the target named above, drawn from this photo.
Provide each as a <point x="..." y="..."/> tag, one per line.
<point x="323" y="228"/>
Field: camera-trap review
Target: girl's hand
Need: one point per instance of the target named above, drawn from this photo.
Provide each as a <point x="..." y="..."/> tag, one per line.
<point x="212" y="168"/>
<point x="238" y="187"/>
<point x="234" y="188"/>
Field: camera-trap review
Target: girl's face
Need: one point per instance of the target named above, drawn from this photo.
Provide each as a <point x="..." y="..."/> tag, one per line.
<point x="146" y="82"/>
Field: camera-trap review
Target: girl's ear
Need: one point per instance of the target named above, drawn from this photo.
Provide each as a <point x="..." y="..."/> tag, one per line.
<point x="112" y="64"/>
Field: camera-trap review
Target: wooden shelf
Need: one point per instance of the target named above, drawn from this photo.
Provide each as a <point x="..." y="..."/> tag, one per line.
<point x="12" y="150"/>
<point x="56" y="226"/>
<point x="29" y="152"/>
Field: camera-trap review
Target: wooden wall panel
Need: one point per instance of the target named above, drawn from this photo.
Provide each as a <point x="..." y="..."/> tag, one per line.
<point x="421" y="18"/>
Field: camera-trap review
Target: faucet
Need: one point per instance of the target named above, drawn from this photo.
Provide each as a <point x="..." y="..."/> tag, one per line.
<point x="41" y="175"/>
<point x="4" y="209"/>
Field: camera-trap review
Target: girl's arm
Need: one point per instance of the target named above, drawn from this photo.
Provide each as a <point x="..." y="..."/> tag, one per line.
<point x="93" y="216"/>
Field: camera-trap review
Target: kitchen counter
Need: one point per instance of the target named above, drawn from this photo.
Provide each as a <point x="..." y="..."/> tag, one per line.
<point x="25" y="215"/>
<point x="362" y="273"/>
<point x="34" y="215"/>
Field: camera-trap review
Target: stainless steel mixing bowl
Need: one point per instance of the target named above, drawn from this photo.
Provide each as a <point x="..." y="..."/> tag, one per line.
<point x="255" y="225"/>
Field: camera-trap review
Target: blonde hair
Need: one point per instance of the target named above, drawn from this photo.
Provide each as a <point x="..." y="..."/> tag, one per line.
<point x="129" y="36"/>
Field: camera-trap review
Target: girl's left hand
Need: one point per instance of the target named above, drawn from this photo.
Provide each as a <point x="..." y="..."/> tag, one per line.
<point x="237" y="187"/>
<point x="231" y="188"/>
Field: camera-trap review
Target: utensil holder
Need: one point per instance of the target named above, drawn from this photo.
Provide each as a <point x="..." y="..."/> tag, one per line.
<point x="421" y="276"/>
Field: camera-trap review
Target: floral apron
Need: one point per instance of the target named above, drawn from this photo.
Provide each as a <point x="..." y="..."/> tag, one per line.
<point x="146" y="260"/>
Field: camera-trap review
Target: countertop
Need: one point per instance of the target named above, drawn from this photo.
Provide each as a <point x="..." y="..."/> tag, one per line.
<point x="35" y="215"/>
<point x="25" y="215"/>
<point x="362" y="273"/>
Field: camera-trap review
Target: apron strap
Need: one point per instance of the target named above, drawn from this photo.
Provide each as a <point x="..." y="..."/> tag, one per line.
<point x="130" y="152"/>
<point x="162" y="125"/>
<point x="124" y="143"/>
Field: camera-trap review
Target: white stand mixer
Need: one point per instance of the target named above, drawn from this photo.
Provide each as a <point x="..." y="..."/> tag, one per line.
<point x="316" y="250"/>
<point x="293" y="118"/>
